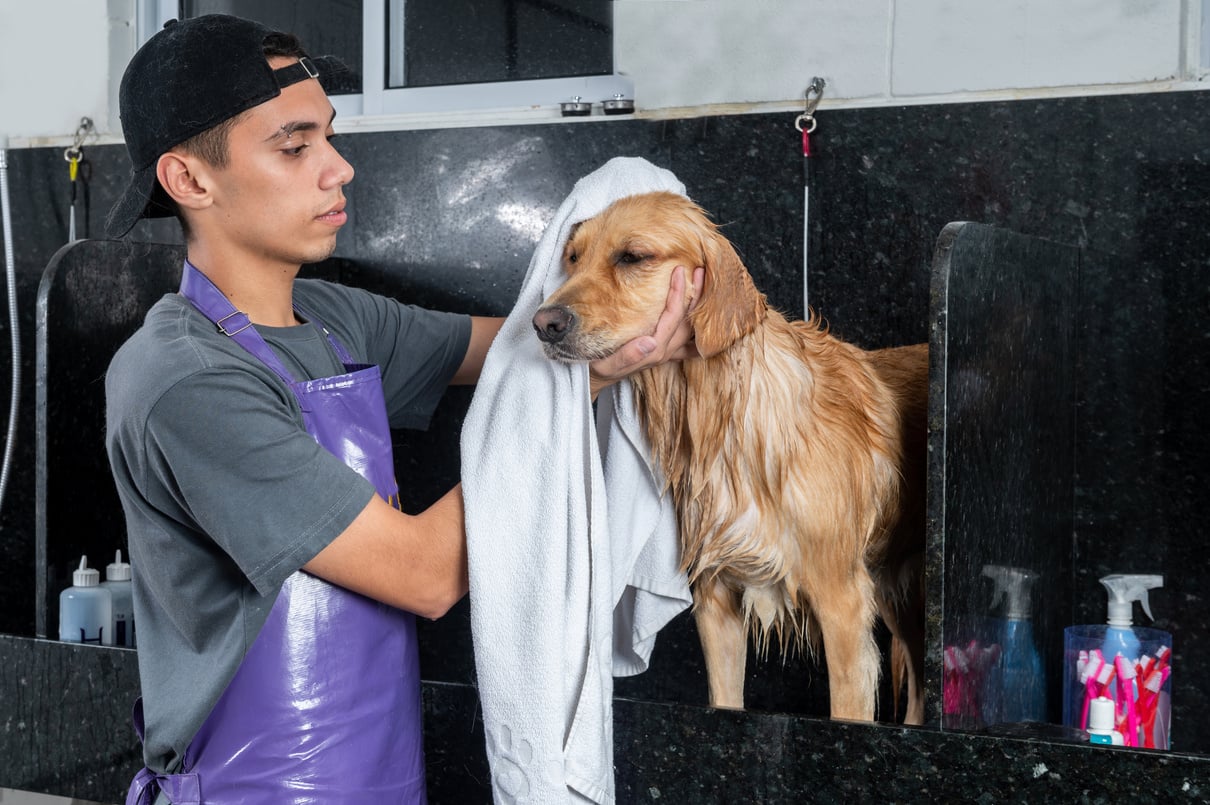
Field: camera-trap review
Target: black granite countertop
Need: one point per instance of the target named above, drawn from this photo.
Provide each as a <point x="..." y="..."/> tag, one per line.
<point x="66" y="731"/>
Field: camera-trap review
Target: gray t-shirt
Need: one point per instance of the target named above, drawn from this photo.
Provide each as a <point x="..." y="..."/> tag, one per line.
<point x="225" y="493"/>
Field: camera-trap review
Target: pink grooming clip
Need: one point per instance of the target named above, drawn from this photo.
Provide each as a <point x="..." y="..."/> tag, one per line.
<point x="1149" y="694"/>
<point x="1100" y="679"/>
<point x="1104" y="674"/>
<point x="1127" y="694"/>
<point x="1093" y="666"/>
<point x="954" y="680"/>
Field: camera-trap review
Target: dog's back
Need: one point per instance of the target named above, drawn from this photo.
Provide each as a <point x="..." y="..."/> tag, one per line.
<point x="796" y="461"/>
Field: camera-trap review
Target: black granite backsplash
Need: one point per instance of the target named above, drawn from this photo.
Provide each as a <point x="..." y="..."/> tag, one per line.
<point x="448" y="218"/>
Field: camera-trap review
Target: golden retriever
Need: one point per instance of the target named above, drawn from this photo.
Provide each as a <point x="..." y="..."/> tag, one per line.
<point x="795" y="460"/>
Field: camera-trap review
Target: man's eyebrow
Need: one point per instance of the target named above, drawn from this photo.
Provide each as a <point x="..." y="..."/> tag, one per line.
<point x="288" y="129"/>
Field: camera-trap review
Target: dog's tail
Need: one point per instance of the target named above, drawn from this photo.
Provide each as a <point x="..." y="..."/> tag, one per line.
<point x="899" y="673"/>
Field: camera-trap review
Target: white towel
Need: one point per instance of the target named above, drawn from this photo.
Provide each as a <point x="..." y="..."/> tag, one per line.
<point x="574" y="563"/>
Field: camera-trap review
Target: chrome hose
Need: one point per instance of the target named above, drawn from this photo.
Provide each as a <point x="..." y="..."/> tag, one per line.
<point x="11" y="277"/>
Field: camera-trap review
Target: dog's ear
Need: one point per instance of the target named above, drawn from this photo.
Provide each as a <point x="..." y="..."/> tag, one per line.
<point x="730" y="306"/>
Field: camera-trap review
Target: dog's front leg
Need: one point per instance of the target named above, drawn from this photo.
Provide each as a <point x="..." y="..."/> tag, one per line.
<point x="720" y="626"/>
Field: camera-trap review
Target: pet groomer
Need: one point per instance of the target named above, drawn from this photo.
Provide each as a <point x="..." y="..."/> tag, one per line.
<point x="248" y="429"/>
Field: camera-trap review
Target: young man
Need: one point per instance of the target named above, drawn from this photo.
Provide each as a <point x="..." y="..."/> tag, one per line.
<point x="248" y="431"/>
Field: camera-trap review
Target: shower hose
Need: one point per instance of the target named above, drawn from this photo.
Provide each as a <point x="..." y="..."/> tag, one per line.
<point x="11" y="277"/>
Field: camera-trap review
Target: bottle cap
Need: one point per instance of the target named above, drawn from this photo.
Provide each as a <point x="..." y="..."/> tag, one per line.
<point x="85" y="576"/>
<point x="117" y="570"/>
<point x="1100" y="714"/>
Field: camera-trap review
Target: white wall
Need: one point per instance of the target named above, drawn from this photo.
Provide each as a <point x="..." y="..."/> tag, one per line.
<point x="701" y="52"/>
<point x="54" y="66"/>
<point x="61" y="59"/>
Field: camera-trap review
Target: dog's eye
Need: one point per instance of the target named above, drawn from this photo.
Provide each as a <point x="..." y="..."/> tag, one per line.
<point x="572" y="257"/>
<point x="630" y="258"/>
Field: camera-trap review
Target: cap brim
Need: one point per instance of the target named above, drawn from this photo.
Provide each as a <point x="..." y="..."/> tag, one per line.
<point x="143" y="198"/>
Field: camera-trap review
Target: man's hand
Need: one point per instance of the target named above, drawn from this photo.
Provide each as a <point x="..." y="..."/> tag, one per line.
<point x="671" y="341"/>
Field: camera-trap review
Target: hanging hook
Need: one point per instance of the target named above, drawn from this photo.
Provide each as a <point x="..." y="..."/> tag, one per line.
<point x="813" y="95"/>
<point x="75" y="151"/>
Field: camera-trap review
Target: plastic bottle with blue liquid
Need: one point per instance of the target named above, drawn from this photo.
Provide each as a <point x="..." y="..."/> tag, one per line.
<point x="1015" y="690"/>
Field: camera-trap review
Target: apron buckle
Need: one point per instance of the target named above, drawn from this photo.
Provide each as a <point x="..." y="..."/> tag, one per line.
<point x="223" y="329"/>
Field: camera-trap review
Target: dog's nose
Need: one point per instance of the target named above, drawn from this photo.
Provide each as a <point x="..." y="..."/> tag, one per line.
<point x="553" y="323"/>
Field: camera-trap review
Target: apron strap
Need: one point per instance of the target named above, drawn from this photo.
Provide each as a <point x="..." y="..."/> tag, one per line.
<point x="214" y="305"/>
<point x="181" y="789"/>
<point x="235" y="324"/>
<point x="341" y="352"/>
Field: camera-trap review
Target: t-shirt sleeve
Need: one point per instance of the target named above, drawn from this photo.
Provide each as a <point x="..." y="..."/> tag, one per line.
<point x="230" y="458"/>
<point x="419" y="363"/>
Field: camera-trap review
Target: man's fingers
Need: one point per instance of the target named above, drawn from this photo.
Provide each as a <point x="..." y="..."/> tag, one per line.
<point x="699" y="281"/>
<point x="672" y="339"/>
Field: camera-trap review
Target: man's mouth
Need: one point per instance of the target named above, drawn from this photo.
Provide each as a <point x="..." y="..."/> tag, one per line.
<point x="335" y="216"/>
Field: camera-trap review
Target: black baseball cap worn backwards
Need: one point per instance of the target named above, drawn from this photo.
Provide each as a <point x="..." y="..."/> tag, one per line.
<point x="188" y="78"/>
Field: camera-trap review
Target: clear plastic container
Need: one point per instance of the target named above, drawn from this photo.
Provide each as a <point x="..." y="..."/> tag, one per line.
<point x="1150" y="725"/>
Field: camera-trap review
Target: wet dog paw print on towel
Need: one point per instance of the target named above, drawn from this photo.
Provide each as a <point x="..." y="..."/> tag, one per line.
<point x="513" y="757"/>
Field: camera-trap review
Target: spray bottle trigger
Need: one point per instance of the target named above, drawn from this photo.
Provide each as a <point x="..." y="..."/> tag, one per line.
<point x="1146" y="605"/>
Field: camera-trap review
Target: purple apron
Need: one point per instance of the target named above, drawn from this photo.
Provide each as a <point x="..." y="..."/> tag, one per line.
<point x="325" y="706"/>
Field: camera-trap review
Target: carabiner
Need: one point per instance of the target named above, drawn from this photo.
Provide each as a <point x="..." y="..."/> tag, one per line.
<point x="816" y="89"/>
<point x="806" y="122"/>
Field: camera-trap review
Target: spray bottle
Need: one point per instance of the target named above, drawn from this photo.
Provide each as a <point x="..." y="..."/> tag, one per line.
<point x="1124" y="589"/>
<point x="1016" y="687"/>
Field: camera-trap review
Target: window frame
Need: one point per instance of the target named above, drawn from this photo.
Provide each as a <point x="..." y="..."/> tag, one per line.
<point x="540" y="98"/>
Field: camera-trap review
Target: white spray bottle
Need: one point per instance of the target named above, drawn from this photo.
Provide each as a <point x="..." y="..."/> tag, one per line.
<point x="1016" y="688"/>
<point x="1124" y="589"/>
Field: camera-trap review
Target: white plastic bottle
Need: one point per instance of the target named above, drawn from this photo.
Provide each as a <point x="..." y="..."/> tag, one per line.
<point x="1100" y="722"/>
<point x="117" y="581"/>
<point x="86" y="608"/>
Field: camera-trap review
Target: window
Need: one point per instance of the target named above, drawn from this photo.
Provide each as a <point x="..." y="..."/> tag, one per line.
<point x="441" y="56"/>
<point x="326" y="27"/>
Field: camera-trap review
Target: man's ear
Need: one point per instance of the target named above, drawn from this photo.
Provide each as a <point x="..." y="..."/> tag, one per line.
<point x="183" y="178"/>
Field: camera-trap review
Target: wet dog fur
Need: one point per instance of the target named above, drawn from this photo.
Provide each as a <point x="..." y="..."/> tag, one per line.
<point x="795" y="460"/>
